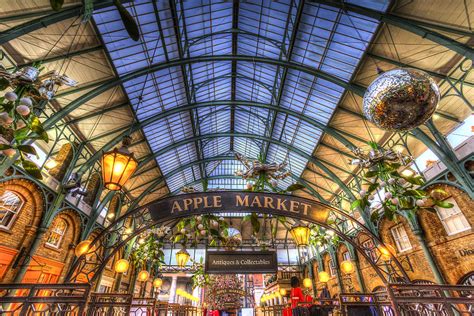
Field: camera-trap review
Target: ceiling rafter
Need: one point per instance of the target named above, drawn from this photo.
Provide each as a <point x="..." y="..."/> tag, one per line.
<point x="235" y="26"/>
<point x="177" y="30"/>
<point x="288" y="54"/>
<point x="412" y="26"/>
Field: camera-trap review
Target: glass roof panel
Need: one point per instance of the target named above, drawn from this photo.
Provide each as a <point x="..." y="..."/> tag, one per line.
<point x="322" y="37"/>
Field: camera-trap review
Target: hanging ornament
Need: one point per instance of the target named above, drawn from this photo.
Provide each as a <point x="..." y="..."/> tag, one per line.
<point x="233" y="239"/>
<point x="401" y="99"/>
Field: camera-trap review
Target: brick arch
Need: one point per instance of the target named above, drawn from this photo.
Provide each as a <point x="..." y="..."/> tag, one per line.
<point x="73" y="221"/>
<point x="29" y="216"/>
<point x="62" y="256"/>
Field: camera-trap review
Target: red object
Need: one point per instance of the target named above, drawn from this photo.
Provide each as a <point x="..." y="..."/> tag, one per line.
<point x="287" y="311"/>
<point x="296" y="296"/>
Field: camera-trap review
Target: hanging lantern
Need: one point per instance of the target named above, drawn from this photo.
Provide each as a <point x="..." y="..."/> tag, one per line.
<point x="323" y="276"/>
<point x="83" y="248"/>
<point x="300" y="235"/>
<point x="157" y="283"/>
<point x="283" y="292"/>
<point x="347" y="266"/>
<point x="143" y="275"/>
<point x="121" y="266"/>
<point x="307" y="283"/>
<point x="118" y="166"/>
<point x="182" y="258"/>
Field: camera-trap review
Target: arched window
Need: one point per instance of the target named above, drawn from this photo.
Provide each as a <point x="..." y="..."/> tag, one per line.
<point x="10" y="206"/>
<point x="57" y="233"/>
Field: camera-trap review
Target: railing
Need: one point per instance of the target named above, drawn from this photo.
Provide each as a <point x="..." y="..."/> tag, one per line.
<point x="43" y="299"/>
<point x="402" y="300"/>
<point x="433" y="299"/>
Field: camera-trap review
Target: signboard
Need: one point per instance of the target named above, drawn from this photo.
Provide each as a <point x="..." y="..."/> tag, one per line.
<point x="229" y="201"/>
<point x="246" y="262"/>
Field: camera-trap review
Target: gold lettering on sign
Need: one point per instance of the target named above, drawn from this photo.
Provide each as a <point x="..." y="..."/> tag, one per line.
<point x="239" y="201"/>
<point x="293" y="205"/>
<point x="176" y="207"/>
<point x="217" y="201"/>
<point x="281" y="205"/>
<point x="206" y="202"/>
<point x="197" y="202"/>
<point x="268" y="202"/>
<point x="306" y="207"/>
<point x="256" y="201"/>
<point x="187" y="203"/>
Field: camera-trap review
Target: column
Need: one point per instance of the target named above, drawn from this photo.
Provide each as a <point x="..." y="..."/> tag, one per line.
<point x="174" y="283"/>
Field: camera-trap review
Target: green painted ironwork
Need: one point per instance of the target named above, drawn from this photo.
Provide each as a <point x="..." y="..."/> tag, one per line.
<point x="410" y="25"/>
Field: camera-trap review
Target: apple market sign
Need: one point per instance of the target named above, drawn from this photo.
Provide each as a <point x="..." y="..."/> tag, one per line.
<point x="233" y="201"/>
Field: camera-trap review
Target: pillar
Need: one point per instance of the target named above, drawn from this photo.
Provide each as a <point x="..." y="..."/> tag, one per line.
<point x="174" y="284"/>
<point x="355" y="259"/>
<point x="416" y="228"/>
<point x="333" y="254"/>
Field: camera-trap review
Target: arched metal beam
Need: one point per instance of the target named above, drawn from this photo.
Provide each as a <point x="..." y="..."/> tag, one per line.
<point x="289" y="147"/>
<point x="207" y="160"/>
<point x="357" y="89"/>
<point x="409" y="25"/>
<point x="172" y="111"/>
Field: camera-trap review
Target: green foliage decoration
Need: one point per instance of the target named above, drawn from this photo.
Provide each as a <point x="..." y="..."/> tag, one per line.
<point x="402" y="192"/>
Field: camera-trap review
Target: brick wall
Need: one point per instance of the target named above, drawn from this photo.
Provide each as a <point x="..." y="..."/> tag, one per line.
<point x="92" y="188"/>
<point x="63" y="159"/>
<point x="24" y="227"/>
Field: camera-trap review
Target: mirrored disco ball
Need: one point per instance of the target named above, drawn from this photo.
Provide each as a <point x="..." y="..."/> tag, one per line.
<point x="401" y="99"/>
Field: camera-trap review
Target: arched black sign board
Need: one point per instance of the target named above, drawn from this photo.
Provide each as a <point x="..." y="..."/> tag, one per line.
<point x="233" y="201"/>
<point x="115" y="236"/>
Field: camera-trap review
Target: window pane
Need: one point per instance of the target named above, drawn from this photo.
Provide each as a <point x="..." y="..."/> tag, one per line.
<point x="10" y="205"/>
<point x="453" y="219"/>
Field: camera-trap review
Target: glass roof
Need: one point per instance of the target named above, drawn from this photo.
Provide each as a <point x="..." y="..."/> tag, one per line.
<point x="185" y="143"/>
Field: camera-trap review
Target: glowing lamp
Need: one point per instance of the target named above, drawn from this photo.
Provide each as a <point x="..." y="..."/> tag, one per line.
<point x="307" y="283"/>
<point x="83" y="248"/>
<point x="300" y="235"/>
<point x="386" y="252"/>
<point x="347" y="266"/>
<point x="182" y="258"/>
<point x="121" y="266"/>
<point x="408" y="173"/>
<point x="118" y="166"/>
<point x="323" y="276"/>
<point x="143" y="275"/>
<point x="157" y="283"/>
<point x="50" y="164"/>
<point x="283" y="292"/>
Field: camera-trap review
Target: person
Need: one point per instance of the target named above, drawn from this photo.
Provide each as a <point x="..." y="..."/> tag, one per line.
<point x="296" y="294"/>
